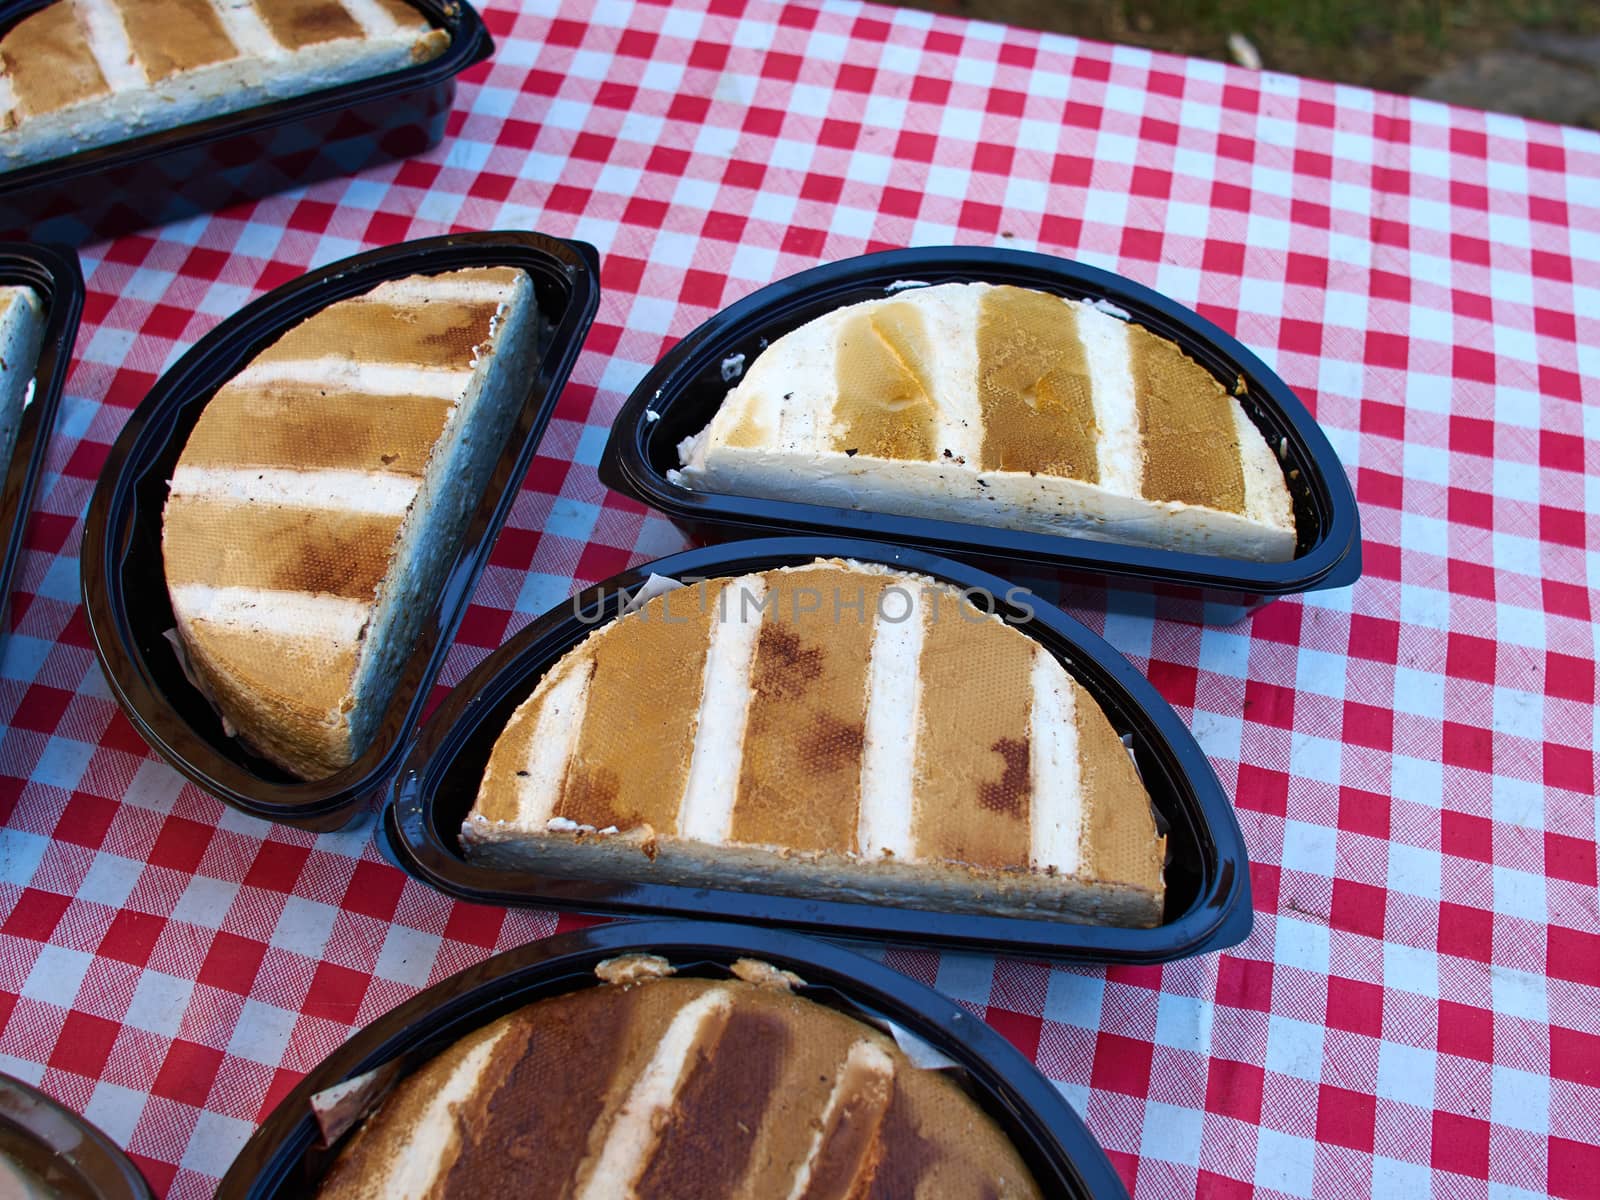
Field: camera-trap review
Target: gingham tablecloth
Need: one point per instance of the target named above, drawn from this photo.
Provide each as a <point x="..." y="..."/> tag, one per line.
<point x="1418" y="1009"/>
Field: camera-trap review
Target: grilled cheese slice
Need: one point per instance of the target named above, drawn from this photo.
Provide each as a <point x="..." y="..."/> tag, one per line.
<point x="322" y="495"/>
<point x="21" y="334"/>
<point x="678" y="1087"/>
<point x="999" y="406"/>
<point x="829" y="730"/>
<point x="79" y="74"/>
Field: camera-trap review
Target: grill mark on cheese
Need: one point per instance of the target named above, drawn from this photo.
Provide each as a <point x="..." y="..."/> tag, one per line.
<point x="907" y="1156"/>
<point x="289" y="426"/>
<point x="300" y="23"/>
<point x="679" y="1087"/>
<point x="395" y="335"/>
<point x="635" y="1132"/>
<point x="848" y="1143"/>
<point x="972" y="785"/>
<point x="170" y="36"/>
<point x="711" y="1128"/>
<point x="381" y="1160"/>
<point x="297" y="676"/>
<point x="48" y="58"/>
<point x="534" y="1127"/>
<point x="799" y="784"/>
<point x="1191" y="447"/>
<point x="1034" y="387"/>
<point x="538" y="746"/>
<point x="311" y="550"/>
<point x="885" y="406"/>
<point x="629" y="772"/>
<point x="1119" y="838"/>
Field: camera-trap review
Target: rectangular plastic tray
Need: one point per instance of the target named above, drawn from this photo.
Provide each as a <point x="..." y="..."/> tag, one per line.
<point x="679" y="396"/>
<point x="1208" y="876"/>
<point x="124" y="588"/>
<point x="166" y="176"/>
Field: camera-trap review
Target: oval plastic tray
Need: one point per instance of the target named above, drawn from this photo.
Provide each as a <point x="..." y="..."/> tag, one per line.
<point x="685" y="389"/>
<point x="283" y="1159"/>
<point x="124" y="588"/>
<point x="1208" y="877"/>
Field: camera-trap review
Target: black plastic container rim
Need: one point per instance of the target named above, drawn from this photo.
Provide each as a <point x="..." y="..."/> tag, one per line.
<point x="1334" y="560"/>
<point x="208" y="364"/>
<point x="54" y="274"/>
<point x="470" y="44"/>
<point x="93" y="1156"/>
<point x="1052" y="1138"/>
<point x="1219" y="916"/>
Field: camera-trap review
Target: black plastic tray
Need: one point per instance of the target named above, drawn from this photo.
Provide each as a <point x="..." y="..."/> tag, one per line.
<point x="1208" y="876"/>
<point x="687" y="386"/>
<point x="69" y="1143"/>
<point x="283" y="1160"/>
<point x="124" y="589"/>
<point x="53" y="273"/>
<point x="167" y="176"/>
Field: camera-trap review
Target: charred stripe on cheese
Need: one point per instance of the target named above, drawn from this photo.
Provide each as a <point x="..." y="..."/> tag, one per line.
<point x="637" y="1128"/>
<point x="805" y="730"/>
<point x="632" y="773"/>
<point x="706" y="814"/>
<point x="367" y="493"/>
<point x="894" y="705"/>
<point x="412" y="1175"/>
<point x="848" y="1129"/>
<point x="698" y="1141"/>
<point x="395" y="335"/>
<point x="169" y="36"/>
<point x="1191" y="444"/>
<point x="48" y="58"/>
<point x="1034" y="386"/>
<point x="885" y="405"/>
<point x="319" y="551"/>
<point x="301" y="23"/>
<point x="287" y="426"/>
<point x="973" y="773"/>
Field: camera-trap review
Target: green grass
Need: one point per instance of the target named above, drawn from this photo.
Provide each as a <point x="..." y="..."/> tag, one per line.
<point x="1393" y="45"/>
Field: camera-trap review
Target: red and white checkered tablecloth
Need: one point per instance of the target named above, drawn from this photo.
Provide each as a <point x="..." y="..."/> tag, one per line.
<point x="1418" y="1010"/>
